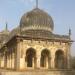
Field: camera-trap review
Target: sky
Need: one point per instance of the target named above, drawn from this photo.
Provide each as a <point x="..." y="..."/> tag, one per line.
<point x="61" y="11"/>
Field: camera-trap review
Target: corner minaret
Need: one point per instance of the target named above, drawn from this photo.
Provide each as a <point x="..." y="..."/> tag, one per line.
<point x="36" y="3"/>
<point x="69" y="32"/>
<point x="6" y="26"/>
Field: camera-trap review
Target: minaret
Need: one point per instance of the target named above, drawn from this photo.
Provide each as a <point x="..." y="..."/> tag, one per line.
<point x="69" y="32"/>
<point x="6" y="27"/>
<point x="36" y="3"/>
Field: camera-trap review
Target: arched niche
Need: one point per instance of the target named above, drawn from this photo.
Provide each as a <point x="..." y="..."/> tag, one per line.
<point x="45" y="59"/>
<point x="31" y="57"/>
<point x="59" y="59"/>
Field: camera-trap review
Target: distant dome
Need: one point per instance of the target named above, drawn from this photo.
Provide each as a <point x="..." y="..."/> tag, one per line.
<point x="37" y="19"/>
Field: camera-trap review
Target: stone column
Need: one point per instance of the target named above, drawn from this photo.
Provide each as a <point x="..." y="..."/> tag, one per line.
<point x="17" y="55"/>
<point x="69" y="57"/>
<point x="0" y="59"/>
<point x="5" y="60"/>
<point x="9" y="62"/>
<point x="52" y="61"/>
<point x="38" y="61"/>
<point x="5" y="57"/>
<point x="38" y="57"/>
<point x="13" y="60"/>
<point x="25" y="60"/>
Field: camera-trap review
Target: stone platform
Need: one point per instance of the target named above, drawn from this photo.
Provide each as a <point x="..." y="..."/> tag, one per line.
<point x="38" y="72"/>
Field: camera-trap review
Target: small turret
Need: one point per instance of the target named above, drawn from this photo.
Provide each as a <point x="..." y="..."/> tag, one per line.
<point x="5" y="31"/>
<point x="70" y="32"/>
<point x="6" y="28"/>
<point x="36" y="3"/>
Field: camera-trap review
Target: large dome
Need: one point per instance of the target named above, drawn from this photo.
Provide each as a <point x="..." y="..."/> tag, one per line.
<point x="37" y="19"/>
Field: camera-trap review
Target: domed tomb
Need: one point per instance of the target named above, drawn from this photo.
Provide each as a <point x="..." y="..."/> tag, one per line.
<point x="36" y="23"/>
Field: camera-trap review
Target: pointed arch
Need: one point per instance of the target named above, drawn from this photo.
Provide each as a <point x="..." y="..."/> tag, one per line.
<point x="59" y="59"/>
<point x="45" y="58"/>
<point x="31" y="57"/>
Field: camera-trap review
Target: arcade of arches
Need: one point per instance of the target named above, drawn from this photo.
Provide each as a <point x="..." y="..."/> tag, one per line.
<point x="45" y="60"/>
<point x="35" y="56"/>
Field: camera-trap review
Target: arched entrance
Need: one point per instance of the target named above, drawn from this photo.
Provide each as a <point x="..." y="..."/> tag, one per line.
<point x="31" y="57"/>
<point x="59" y="59"/>
<point x="45" y="59"/>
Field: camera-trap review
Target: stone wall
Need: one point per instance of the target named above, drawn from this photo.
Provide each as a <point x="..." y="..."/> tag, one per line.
<point x="18" y="54"/>
<point x="38" y="72"/>
<point x="39" y="46"/>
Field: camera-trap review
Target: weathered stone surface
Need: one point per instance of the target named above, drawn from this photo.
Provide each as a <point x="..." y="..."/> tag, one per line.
<point x="39" y="73"/>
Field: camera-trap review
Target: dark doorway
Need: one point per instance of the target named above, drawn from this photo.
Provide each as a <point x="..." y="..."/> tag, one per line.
<point x="30" y="57"/>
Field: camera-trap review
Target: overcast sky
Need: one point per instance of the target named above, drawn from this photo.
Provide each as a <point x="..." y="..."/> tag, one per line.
<point x="62" y="12"/>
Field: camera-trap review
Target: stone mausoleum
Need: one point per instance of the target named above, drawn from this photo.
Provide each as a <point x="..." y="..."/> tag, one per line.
<point x="33" y="48"/>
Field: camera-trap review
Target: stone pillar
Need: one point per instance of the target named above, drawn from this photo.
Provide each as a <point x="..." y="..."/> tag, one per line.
<point x="5" y="57"/>
<point x="17" y="55"/>
<point x="5" y="60"/>
<point x="9" y="61"/>
<point x="52" y="61"/>
<point x="0" y="59"/>
<point x="12" y="60"/>
<point x="38" y="61"/>
<point x="69" y="57"/>
<point x="25" y="61"/>
<point x="38" y="57"/>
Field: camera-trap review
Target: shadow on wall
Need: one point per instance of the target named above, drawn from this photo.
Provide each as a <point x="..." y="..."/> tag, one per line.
<point x="0" y="73"/>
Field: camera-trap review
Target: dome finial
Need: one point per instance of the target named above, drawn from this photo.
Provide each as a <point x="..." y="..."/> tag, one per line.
<point x="36" y="3"/>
